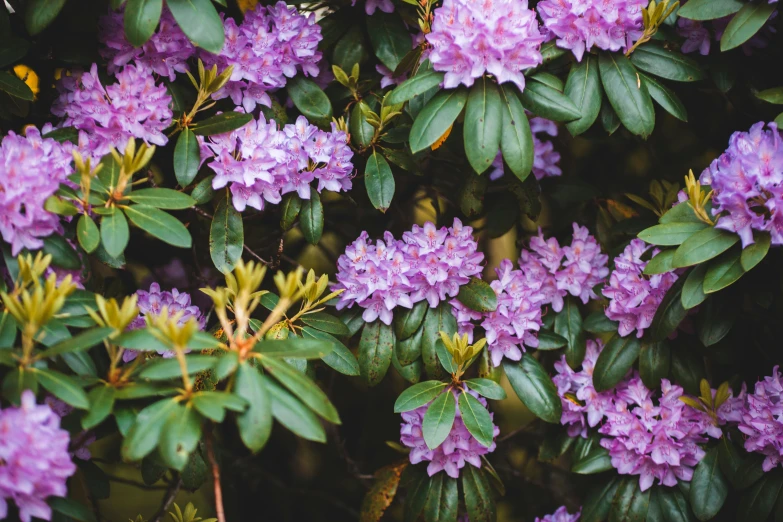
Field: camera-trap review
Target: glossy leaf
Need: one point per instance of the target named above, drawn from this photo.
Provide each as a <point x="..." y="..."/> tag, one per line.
<point x="389" y="38"/>
<point x="160" y="224"/>
<point x="221" y="123"/>
<point x="439" y="419"/>
<point x="661" y="263"/>
<point x="339" y="358"/>
<point x="747" y="22"/>
<point x="255" y="423"/>
<point x="442" y="499"/>
<point x="654" y="363"/>
<point x="665" y="97"/>
<point x="200" y="22"/>
<point x="599" y="502"/>
<point x="693" y="289"/>
<point x="482" y="126"/>
<point x="723" y="271"/>
<point x="753" y="254"/>
<point x="669" y="314"/>
<point x="180" y="436"/>
<point x="88" y="234"/>
<point x="756" y="504"/>
<point x="630" y="504"/>
<point x="375" y="351"/>
<point x="311" y="218"/>
<point x="440" y="319"/>
<point x="671" y="65"/>
<point x="709" y="9"/>
<point x="114" y="233"/>
<point x="476" y="419"/>
<point x="615" y="360"/>
<point x="63" y="387"/>
<point x="716" y="319"/>
<point x="162" y="198"/>
<point x="418" y="395"/>
<point x="187" y="157"/>
<point x="294" y="415"/>
<point x="478" y="495"/>
<point x="670" y="234"/>
<point x="146" y="430"/>
<point x="40" y="13"/>
<point x="226" y="236"/>
<point x="486" y="388"/>
<point x="309" y="98"/>
<point x="568" y="324"/>
<point x="164" y="369"/>
<point x="547" y="102"/>
<point x="379" y="180"/>
<point x="306" y="390"/>
<point x="583" y="87"/>
<point x="597" y="322"/>
<point x="141" y="19"/>
<point x="415" y="86"/>
<point x="709" y="487"/>
<point x="478" y="295"/>
<point x="437" y="118"/>
<point x="408" y="320"/>
<point x="516" y="138"/>
<point x="83" y="341"/>
<point x="534" y="388"/>
<point x="627" y="94"/>
<point x="289" y="210"/>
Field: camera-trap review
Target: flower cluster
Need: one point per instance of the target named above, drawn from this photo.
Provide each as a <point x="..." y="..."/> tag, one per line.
<point x="471" y="38"/>
<point x="545" y="157"/>
<point x="262" y="162"/>
<point x="428" y="263"/>
<point x="166" y="52"/>
<point x="561" y="515"/>
<point x="747" y="184"/>
<point x="579" y="25"/>
<point x="31" y="170"/>
<point x="134" y="107"/>
<point x="458" y="448"/>
<point x="152" y="303"/>
<point x="34" y="459"/>
<point x="633" y="296"/>
<point x="517" y="318"/>
<point x="270" y="45"/>
<point x="575" y="269"/>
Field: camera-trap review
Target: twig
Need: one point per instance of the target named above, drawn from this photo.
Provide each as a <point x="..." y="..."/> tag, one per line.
<point x="168" y="499"/>
<point x="221" y="515"/>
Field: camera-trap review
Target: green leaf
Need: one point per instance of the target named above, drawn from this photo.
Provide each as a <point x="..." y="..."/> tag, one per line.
<point x="439" y="419"/>
<point x="7" y="331"/>
<point x="375" y="351"/>
<point x="482" y="125"/>
<point x="294" y="347"/>
<point x="486" y="388"/>
<point x="723" y="271"/>
<point x="162" y="198"/>
<point x="159" y="224"/>
<point x="289" y="210"/>
<point x="418" y="395"/>
<point x="599" y="502"/>
<point x="78" y="302"/>
<point x="592" y="458"/>
<point x="63" y="387"/>
<point x="71" y="509"/>
<point x="16" y="381"/>
<point x="729" y="458"/>
<point x="627" y="94"/>
<point x="630" y="504"/>
<point x="709" y="487"/>
<point x="615" y="360"/>
<point x="716" y="319"/>
<point x="583" y="87"/>
<point x="478" y="495"/>
<point x="680" y="213"/>
<point x="84" y="341"/>
<point x="516" y="139"/>
<point x="442" y="499"/>
<point x="141" y="19"/>
<point x="326" y="323"/>
<point x="63" y="254"/>
<point x="534" y="388"/>
<point x="440" y="319"/>
<point x="203" y="192"/>
<point x="416" y="86"/>
<point x="101" y="403"/>
<point x="362" y="133"/>
<point x="774" y="95"/>
<point x="379" y="180"/>
<point x="692" y="291"/>
<point x="568" y="324"/>
<point x="187" y="157"/>
<point x="410" y="372"/>
<point x="141" y="339"/>
<point x="749" y="471"/>
<point x="445" y="357"/>
<point x="597" y="323"/>
<point x="146" y="430"/>
<point x="757" y="504"/>
<point x="417" y="485"/>
<point x="665" y="97"/>
<point x="339" y="358"/>
<point x="547" y="102"/>
<point x="673" y="505"/>
<point x="307" y="391"/>
<point x="670" y="234"/>
<point x="226" y="236"/>
<point x="669" y="314"/>
<point x="222" y="123"/>
<point x="88" y="234"/>
<point x="747" y="22"/>
<point x="436" y="118"/>
<point x="671" y="65"/>
<point x="661" y="263"/>
<point x="200" y="22"/>
<point x="180" y="436"/>
<point x="554" y="447"/>
<point x="213" y="404"/>
<point x="550" y="341"/>
<point x="294" y="415"/>
<point x="478" y="295"/>
<point x="164" y="369"/>
<point x="15" y="87"/>
<point x="609" y="120"/>
<point x="311" y="218"/>
<point x="476" y="418"/>
<point x="40" y="13"/>
<point x="114" y="233"/>
<point x="389" y="38"/>
<point x="408" y="320"/>
<point x="753" y="254"/>
<point x="409" y="350"/>
<point x="654" y="362"/>
<point x="709" y="9"/>
<point x="687" y="370"/>
<point x="309" y="98"/>
<point x="255" y="423"/>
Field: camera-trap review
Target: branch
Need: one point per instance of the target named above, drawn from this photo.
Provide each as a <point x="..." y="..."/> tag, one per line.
<point x="168" y="499"/>
<point x="221" y="515"/>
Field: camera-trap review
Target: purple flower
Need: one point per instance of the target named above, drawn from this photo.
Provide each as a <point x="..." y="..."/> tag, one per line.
<point x="428" y="263"/>
<point x="134" y="107"/>
<point x="166" y="52"/>
<point x="460" y="446"/>
<point x="34" y="459"/>
<point x="470" y="38"/>
<point x="388" y="77"/>
<point x="633" y="296"/>
<point x="262" y="162"/>
<point x="580" y="25"/>
<point x="152" y="303"/>
<point x="31" y="170"/>
<point x="747" y="184"/>
<point x="561" y="515"/>
<point x="698" y="37"/>
<point x="545" y="158"/>
<point x="384" y="5"/>
<point x="760" y="418"/>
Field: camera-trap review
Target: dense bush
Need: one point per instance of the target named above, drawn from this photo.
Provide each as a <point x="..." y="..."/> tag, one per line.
<point x="401" y="260"/>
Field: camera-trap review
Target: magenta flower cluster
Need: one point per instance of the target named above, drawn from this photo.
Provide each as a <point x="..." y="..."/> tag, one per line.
<point x="561" y="515"/>
<point x="34" y="459"/>
<point x="459" y="448"/>
<point x="269" y="46"/>
<point x="470" y="38"/>
<point x="134" y="107"/>
<point x="545" y="157"/>
<point x="574" y="269"/>
<point x="428" y="263"/>
<point x="633" y="296"/>
<point x="262" y="162"/>
<point x="31" y="170"/>
<point x="516" y="320"/>
<point x="152" y="303"/>
<point x="166" y="53"/>
<point x="580" y="25"/>
<point x="747" y="184"/>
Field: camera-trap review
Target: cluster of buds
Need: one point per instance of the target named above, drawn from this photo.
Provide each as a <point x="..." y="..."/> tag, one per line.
<point x="698" y="198"/>
<point x="462" y="353"/>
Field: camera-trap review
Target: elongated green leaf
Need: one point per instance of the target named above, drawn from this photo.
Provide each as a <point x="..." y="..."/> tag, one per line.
<point x="445" y="357"/>
<point x="200" y="22"/>
<point x="71" y="509"/>
<point x="757" y="503"/>
<point x="680" y="213"/>
<point x="534" y="388"/>
<point x="615" y="360"/>
<point x="389" y="38"/>
<point x="583" y="87"/>
<point x="568" y="324"/>
<point x="669" y="314"/>
<point x="311" y="218"/>
<point x="550" y="341"/>
<point x="187" y="157"/>
<point x="417" y="485"/>
<point x="709" y="9"/>
<point x="723" y="271"/>
<point x="476" y="418"/>
<point x="546" y="101"/>
<point x="438" y="419"/>
<point x="255" y="423"/>
<point x="665" y="63"/>
<point x="213" y="404"/>
<point x="436" y="118"/>
<point x="362" y="132"/>
<point x="339" y="358"/>
<point x="289" y="210"/>
<point x="164" y="369"/>
<point x="486" y="388"/>
<point x="709" y="487"/>
<point x="627" y="94"/>
<point x="418" y="395"/>
<point x="114" y="233"/>
<point x="15" y="87"/>
<point x="687" y="370"/>
<point x="630" y="504"/>
<point x="483" y="119"/>
<point x="442" y="499"/>
<point x="63" y="254"/>
<point x="294" y="347"/>
<point x="670" y="234"/>
<point x="309" y="98"/>
<point x="654" y="363"/>
<point x="160" y="224"/>
<point x="88" y="234"/>
<point x="408" y="321"/>
<point x="774" y="95"/>
<point x="599" y="502"/>
<point x="145" y="432"/>
<point x="408" y="351"/>
<point x="440" y="319"/>
<point x="661" y="263"/>
<point x="307" y="391"/>
<point x="591" y="457"/>
<point x="180" y="436"/>
<point x="516" y="139"/>
<point x="379" y="180"/>
<point x="597" y="322"/>
<point x="40" y="13"/>
<point x="716" y="319"/>
<point x="326" y="323"/>
<point x="755" y="253"/>
<point x="63" y="387"/>
<point x="416" y="86"/>
<point x="747" y="22"/>
<point x="478" y="295"/>
<point x="222" y="123"/>
<point x="478" y="495"/>
<point x="674" y="506"/>
<point x="141" y="19"/>
<point x="162" y="198"/>
<point x="665" y="97"/>
<point x="226" y="236"/>
<point x="692" y="291"/>
<point x="375" y="351"/>
<point x="84" y="341"/>
<point x="294" y="415"/>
